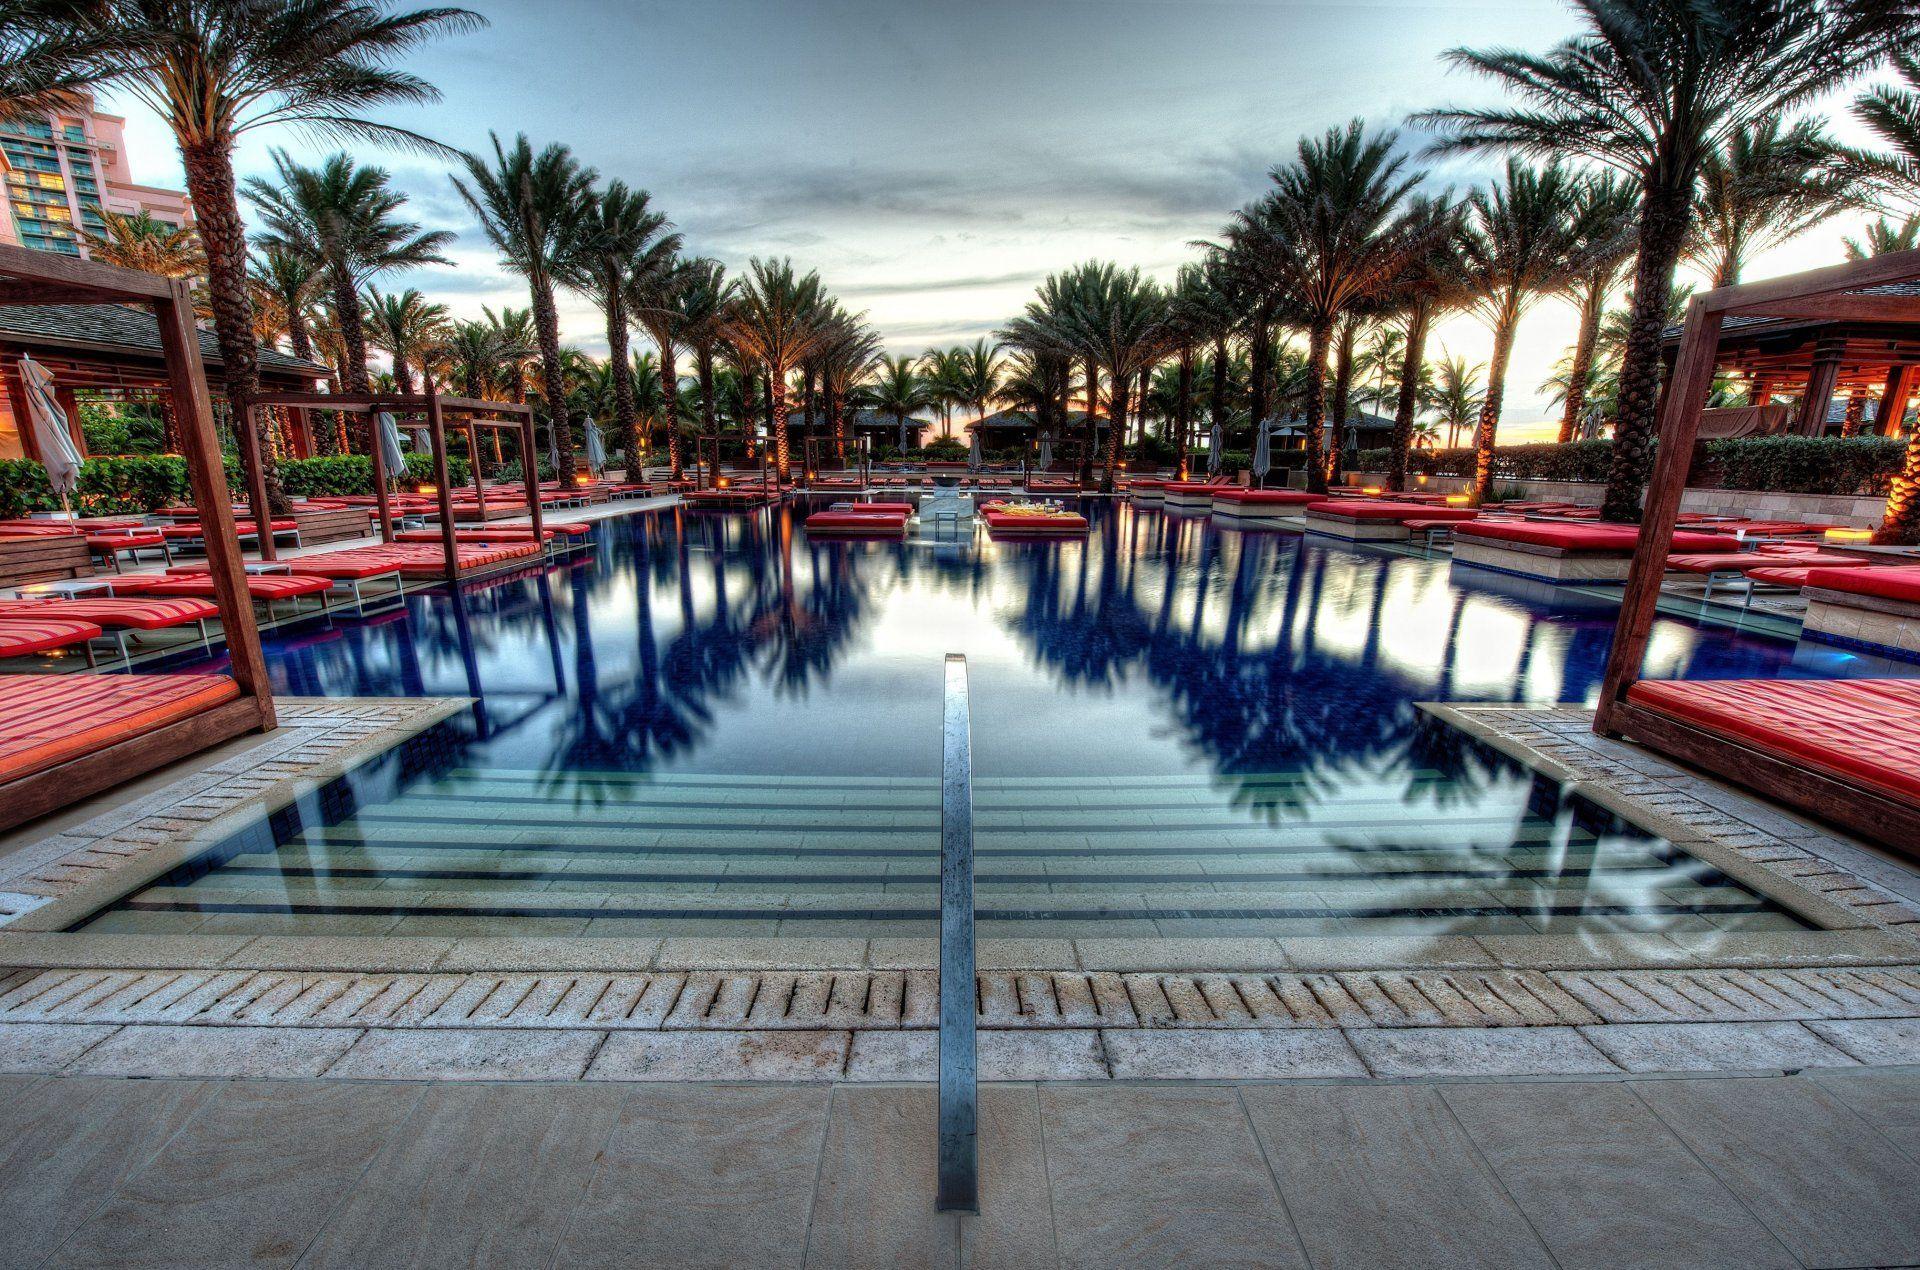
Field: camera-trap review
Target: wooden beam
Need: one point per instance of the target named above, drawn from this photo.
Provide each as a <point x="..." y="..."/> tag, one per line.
<point x="111" y="283"/>
<point x="1679" y="424"/>
<point x="193" y="415"/>
<point x="1855" y="275"/>
<point x="530" y="475"/>
<point x="382" y="508"/>
<point x="437" y="436"/>
<point x="1841" y="307"/>
<point x="1893" y="400"/>
<point x="1817" y="402"/>
<point x="18" y="291"/>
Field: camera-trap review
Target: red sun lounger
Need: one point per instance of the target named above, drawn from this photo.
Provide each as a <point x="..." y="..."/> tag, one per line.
<point x="119" y="615"/>
<point x="23" y="637"/>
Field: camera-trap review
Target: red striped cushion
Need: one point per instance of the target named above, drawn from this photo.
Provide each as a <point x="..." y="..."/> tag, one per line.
<point x="46" y="720"/>
<point x="140" y="615"/>
<point x="261" y="586"/>
<point x="18" y="637"/>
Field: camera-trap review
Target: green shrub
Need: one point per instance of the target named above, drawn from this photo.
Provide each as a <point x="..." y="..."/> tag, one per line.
<point x="1801" y="465"/>
<point x="353" y="474"/>
<point x="107" y="486"/>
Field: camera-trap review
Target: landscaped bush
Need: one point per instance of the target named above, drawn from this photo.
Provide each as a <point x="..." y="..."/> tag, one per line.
<point x="107" y="486"/>
<point x="353" y="474"/>
<point x="1790" y="465"/>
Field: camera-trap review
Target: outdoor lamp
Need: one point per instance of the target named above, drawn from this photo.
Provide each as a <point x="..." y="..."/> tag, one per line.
<point x="1840" y="533"/>
<point x="1457" y="500"/>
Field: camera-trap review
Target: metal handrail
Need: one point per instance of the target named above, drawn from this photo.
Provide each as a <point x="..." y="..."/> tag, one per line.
<point x="959" y="1180"/>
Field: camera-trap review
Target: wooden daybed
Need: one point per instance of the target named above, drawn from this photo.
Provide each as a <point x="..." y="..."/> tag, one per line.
<point x="1367" y="520"/>
<point x="1261" y="504"/>
<point x="1562" y="552"/>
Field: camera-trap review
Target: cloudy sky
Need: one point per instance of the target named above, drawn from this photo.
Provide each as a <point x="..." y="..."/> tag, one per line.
<point x="933" y="159"/>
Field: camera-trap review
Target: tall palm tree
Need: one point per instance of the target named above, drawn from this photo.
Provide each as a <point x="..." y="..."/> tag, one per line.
<point x="1334" y="230"/>
<point x="1883" y="237"/>
<point x="343" y="218"/>
<point x="656" y="306"/>
<point x="45" y="61"/>
<point x="527" y="204"/>
<point x="702" y="303"/>
<point x="472" y="350"/>
<point x="898" y="390"/>
<point x="1652" y="87"/>
<point x="617" y="247"/>
<point x="216" y="70"/>
<point x="977" y="381"/>
<point x="516" y="347"/>
<point x="1892" y="113"/>
<point x="943" y="368"/>
<point x="151" y="246"/>
<point x="1121" y="324"/>
<point x="848" y="357"/>
<point x="288" y="281"/>
<point x="1457" y="394"/>
<point x="1761" y="186"/>
<point x="778" y="319"/>
<point x="406" y="327"/>
<point x="1430" y="283"/>
<point x="1524" y="239"/>
<point x="1606" y="203"/>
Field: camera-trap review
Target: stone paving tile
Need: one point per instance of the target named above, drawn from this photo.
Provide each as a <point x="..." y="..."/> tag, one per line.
<point x="1887" y="1100"/>
<point x="711" y="1176"/>
<point x="247" y="1181"/>
<point x="1383" y="1177"/>
<point x="472" y="1054"/>
<point x="1881" y="1042"/>
<point x="1171" y="1177"/>
<point x="325" y="952"/>
<point x="1252" y="1054"/>
<point x="227" y="1052"/>
<point x="65" y="1145"/>
<point x="46" y="1047"/>
<point x="1180" y="954"/>
<point x="533" y="953"/>
<point x="476" y="1175"/>
<point x="1535" y="1051"/>
<point x="1000" y="1055"/>
<point x="1699" y="1047"/>
<point x="1831" y="1189"/>
<point x="1605" y="1184"/>
<point x="872" y="1208"/>
<point x="689" y="953"/>
<point x="688" y="1056"/>
<point x="1366" y="952"/>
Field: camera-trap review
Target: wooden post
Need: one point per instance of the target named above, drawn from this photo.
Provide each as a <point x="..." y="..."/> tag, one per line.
<point x="530" y="469"/>
<point x="1679" y="425"/>
<point x="437" y="436"/>
<point x="473" y="461"/>
<point x="381" y="506"/>
<point x="1893" y="400"/>
<point x="193" y="409"/>
<point x="256" y="483"/>
<point x="1815" y="406"/>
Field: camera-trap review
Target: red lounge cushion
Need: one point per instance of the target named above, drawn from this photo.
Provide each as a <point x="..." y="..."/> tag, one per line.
<point x="1265" y="497"/>
<point x="1147" y="482"/>
<point x="1901" y="582"/>
<point x="879" y="509"/>
<point x="1196" y="487"/>
<point x="891" y="523"/>
<point x="1355" y="509"/>
<point x="1068" y="523"/>
<point x="1866" y="729"/>
<point x="261" y="586"/>
<point x="36" y="531"/>
<point x="1747" y="561"/>
<point x="1619" y="539"/>
<point x="47" y="720"/>
<point x="1780" y="574"/>
<point x="139" y="615"/>
<point x="120" y="541"/>
<point x="347" y="565"/>
<point x="19" y="637"/>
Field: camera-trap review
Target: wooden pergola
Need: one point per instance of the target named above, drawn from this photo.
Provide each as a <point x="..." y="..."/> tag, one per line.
<point x="38" y="277"/>
<point x="1876" y="291"/>
<point x="466" y="413"/>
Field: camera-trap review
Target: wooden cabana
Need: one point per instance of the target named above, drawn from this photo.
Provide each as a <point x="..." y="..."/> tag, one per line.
<point x="1847" y="751"/>
<point x="69" y="736"/>
<point x="440" y="413"/>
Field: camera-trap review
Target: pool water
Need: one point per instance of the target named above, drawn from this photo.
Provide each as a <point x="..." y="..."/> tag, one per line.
<point x="709" y="724"/>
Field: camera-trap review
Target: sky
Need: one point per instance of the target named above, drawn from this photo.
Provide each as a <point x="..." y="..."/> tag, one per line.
<point x="935" y="159"/>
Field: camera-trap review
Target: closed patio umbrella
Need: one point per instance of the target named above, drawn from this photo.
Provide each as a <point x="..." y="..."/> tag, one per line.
<point x="596" y="449"/>
<point x="1046" y="450"/>
<point x="1215" y="440"/>
<point x="974" y="457"/>
<point x="903" y="433"/>
<point x="57" y="452"/>
<point x="391" y="453"/>
<point x="1262" y="454"/>
<point x="553" y="454"/>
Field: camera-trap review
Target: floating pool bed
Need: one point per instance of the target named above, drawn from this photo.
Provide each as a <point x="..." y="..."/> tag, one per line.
<point x="1565" y="552"/>
<point x="1261" y="504"/>
<point x="1364" y="520"/>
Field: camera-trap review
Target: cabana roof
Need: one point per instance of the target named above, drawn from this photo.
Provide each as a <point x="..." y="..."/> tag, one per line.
<point x="117" y="333"/>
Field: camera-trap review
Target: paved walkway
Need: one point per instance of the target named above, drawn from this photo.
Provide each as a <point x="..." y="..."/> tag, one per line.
<point x="1783" y="1170"/>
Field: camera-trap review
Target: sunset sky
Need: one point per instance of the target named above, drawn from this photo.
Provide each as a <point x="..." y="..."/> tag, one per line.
<point x="934" y="160"/>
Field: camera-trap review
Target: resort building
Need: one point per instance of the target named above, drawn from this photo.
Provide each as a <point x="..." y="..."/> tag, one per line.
<point x="64" y="170"/>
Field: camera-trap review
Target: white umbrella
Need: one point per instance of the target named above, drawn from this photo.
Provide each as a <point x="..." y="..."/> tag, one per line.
<point x="553" y="454"/>
<point x="57" y="453"/>
<point x="1046" y="450"/>
<point x="974" y="458"/>
<point x="1215" y="440"/>
<point x="1262" y="457"/>
<point x="596" y="449"/>
<point x="903" y="433"/>
<point x="391" y="454"/>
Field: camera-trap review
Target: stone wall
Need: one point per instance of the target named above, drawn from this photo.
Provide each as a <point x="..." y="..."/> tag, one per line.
<point x="1819" y="509"/>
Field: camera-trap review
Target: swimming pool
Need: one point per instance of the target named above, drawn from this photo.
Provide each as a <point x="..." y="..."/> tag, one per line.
<point x="710" y="724"/>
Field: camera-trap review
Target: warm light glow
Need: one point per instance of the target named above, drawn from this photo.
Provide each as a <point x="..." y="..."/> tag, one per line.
<point x="1371" y="490"/>
<point x="722" y="482"/>
<point x="1457" y="500"/>
<point x="429" y="489"/>
<point x="583" y="480"/>
<point x="1420" y="478"/>
<point x="1843" y="534"/>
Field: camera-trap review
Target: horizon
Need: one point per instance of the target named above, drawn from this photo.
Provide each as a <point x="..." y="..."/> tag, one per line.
<point x="934" y="163"/>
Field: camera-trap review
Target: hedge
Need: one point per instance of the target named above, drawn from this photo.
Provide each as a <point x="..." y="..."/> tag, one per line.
<point x="1788" y="465"/>
<point x="353" y="474"/>
<point x="127" y="485"/>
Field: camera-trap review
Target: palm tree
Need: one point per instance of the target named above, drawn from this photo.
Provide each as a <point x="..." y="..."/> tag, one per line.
<point x="1333" y="231"/>
<point x="1605" y="202"/>
<point x="617" y="246"/>
<point x="898" y="390"/>
<point x="472" y="350"/>
<point x="942" y="369"/>
<point x="1457" y="395"/>
<point x="342" y="217"/>
<point x="977" y="382"/>
<point x="1524" y="239"/>
<point x="218" y="69"/>
<point x="1652" y="87"/>
<point x="1762" y="186"/>
<point x="777" y="319"/>
<point x="1884" y="237"/>
<point x="406" y="327"/>
<point x="656" y="306"/>
<point x="1119" y="323"/>
<point x="45" y="61"/>
<point x="1892" y="113"/>
<point x="527" y="204"/>
<point x="516" y="347"/>
<point x="848" y="357"/>
<point x="149" y="245"/>
<point x="702" y="301"/>
<point x="1430" y="283"/>
<point x="289" y="282"/>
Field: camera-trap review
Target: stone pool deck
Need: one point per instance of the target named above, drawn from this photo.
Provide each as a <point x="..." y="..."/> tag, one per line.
<point x="1781" y="1170"/>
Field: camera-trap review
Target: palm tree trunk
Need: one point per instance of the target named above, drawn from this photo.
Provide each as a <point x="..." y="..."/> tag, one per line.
<point x="777" y="411"/>
<point x="353" y="332"/>
<point x="402" y="376"/>
<point x="670" y="386"/>
<point x="1663" y="233"/>
<point x="626" y="419"/>
<point x="1093" y="421"/>
<point x="1485" y="431"/>
<point x="546" y="322"/>
<point x="1217" y="392"/>
<point x="1260" y="350"/>
<point x="1419" y="319"/>
<point x="1183" y="412"/>
<point x="1901" y="524"/>
<point x="1593" y="299"/>
<point x="299" y="339"/>
<point x="1117" y="385"/>
<point x="709" y="408"/>
<point x="1319" y="336"/>
<point x="1342" y="404"/>
<point x="223" y="236"/>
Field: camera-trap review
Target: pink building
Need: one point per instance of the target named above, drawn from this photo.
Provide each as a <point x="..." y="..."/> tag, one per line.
<point x="63" y="170"/>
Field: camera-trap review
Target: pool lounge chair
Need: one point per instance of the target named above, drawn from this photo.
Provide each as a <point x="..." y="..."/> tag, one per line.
<point x="1369" y="520"/>
<point x="120" y="616"/>
<point x="856" y="523"/>
<point x="27" y="637"/>
<point x="1746" y="569"/>
<point x="1565" y="552"/>
<point x="265" y="589"/>
<point x="1241" y="503"/>
<point x="1192" y="496"/>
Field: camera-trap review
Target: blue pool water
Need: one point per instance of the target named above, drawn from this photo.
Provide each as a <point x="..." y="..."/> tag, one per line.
<point x="710" y="723"/>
